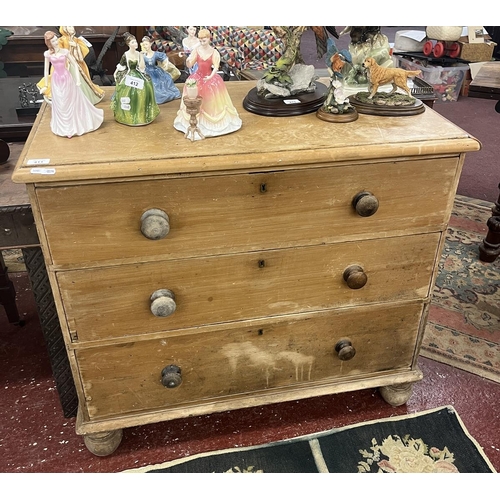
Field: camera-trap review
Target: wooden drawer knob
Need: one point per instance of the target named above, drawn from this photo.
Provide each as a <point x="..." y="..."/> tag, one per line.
<point x="355" y="277"/>
<point x="171" y="376"/>
<point x="365" y="203"/>
<point x="155" y="224"/>
<point x="163" y="303"/>
<point x="344" y="349"/>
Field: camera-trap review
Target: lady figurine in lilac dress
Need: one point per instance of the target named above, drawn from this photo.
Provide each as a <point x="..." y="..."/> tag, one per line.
<point x="217" y="114"/>
<point x="165" y="89"/>
<point x="72" y="112"/>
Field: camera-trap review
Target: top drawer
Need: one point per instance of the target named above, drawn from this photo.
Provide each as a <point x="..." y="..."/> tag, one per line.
<point x="99" y="223"/>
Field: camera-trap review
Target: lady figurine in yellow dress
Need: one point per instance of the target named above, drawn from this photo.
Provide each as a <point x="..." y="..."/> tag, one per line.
<point x="78" y="50"/>
<point x="133" y="102"/>
<point x="217" y="114"/>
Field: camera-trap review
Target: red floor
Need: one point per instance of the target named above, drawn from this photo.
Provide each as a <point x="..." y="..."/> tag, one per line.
<point x="36" y="437"/>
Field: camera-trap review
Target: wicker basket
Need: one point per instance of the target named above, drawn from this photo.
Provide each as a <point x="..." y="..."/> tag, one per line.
<point x="444" y="33"/>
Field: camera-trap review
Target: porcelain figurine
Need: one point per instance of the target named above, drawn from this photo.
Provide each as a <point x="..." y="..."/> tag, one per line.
<point x="337" y="107"/>
<point x="78" y="50"/>
<point x="72" y="113"/>
<point x="133" y="102"/>
<point x="217" y="114"/>
<point x="164" y="86"/>
<point x="189" y="43"/>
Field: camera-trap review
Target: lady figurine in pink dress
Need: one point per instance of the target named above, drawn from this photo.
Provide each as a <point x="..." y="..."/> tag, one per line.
<point x="72" y="112"/>
<point x="217" y="114"/>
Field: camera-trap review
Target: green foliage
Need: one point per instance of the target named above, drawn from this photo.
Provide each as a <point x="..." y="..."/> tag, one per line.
<point x="4" y="35"/>
<point x="278" y="74"/>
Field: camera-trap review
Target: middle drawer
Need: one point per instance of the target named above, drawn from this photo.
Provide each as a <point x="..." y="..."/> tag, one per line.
<point x="117" y="302"/>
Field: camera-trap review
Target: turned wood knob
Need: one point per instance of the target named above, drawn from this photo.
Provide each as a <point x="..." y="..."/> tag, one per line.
<point x="155" y="224"/>
<point x="344" y="349"/>
<point x="163" y="303"/>
<point x="171" y="376"/>
<point x="355" y="277"/>
<point x="365" y="203"/>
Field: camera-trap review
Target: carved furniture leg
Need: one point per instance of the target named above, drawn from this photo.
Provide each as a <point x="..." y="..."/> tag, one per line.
<point x="8" y="295"/>
<point x="103" y="443"/>
<point x="496" y="209"/>
<point x="51" y="330"/>
<point x="489" y="248"/>
<point x="397" y="395"/>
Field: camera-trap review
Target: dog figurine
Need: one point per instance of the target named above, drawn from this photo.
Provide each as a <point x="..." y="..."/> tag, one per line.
<point x="379" y="75"/>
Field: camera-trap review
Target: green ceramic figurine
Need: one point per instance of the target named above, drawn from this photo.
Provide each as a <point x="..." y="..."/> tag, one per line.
<point x="133" y="102"/>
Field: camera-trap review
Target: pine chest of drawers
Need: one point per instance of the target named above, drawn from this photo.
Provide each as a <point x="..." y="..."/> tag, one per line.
<point x="291" y="259"/>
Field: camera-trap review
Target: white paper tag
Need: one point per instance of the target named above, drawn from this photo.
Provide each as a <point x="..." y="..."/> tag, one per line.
<point x="132" y="81"/>
<point x="125" y="103"/>
<point x="41" y="161"/>
<point x="291" y="101"/>
<point x="43" y="171"/>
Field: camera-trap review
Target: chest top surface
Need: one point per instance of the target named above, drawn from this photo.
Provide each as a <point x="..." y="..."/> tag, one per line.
<point x="117" y="151"/>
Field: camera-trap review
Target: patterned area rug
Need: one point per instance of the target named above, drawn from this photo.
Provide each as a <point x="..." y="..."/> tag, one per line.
<point x="463" y="329"/>
<point x="426" y="442"/>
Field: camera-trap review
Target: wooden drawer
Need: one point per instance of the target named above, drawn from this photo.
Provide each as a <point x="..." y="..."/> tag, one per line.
<point x="114" y="302"/>
<point x="100" y="223"/>
<point x="290" y="352"/>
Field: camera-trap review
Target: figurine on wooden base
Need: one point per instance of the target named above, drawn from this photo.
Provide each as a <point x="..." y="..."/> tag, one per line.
<point x="133" y="102"/>
<point x="336" y="107"/>
<point x="156" y="63"/>
<point x="290" y="87"/>
<point x="217" y="114"/>
<point x="72" y="113"/>
<point x="389" y="103"/>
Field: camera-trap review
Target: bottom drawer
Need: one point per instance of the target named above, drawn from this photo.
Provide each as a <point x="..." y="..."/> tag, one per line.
<point x="287" y="352"/>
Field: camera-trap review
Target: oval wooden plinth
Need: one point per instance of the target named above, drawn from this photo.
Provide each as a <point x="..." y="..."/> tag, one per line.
<point x="295" y="105"/>
<point x="337" y="118"/>
<point x="382" y="110"/>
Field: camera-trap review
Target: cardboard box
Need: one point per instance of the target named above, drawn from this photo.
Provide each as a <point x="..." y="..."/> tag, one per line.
<point x="477" y="52"/>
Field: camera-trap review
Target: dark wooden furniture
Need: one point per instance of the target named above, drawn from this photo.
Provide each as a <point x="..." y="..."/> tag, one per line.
<point x="17" y="230"/>
<point x="486" y="85"/>
<point x="23" y="55"/>
<point x="14" y="127"/>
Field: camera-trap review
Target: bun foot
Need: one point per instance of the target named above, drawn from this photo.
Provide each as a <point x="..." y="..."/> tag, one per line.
<point x="397" y="395"/>
<point x="103" y="443"/>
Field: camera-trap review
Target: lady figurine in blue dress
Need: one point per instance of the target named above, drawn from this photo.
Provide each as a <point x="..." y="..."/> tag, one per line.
<point x="165" y="89"/>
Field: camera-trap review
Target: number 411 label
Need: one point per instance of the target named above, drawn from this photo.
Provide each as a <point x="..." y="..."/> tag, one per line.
<point x="136" y="83"/>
